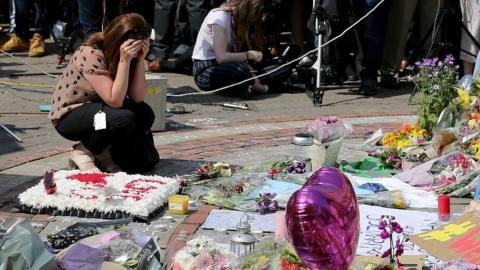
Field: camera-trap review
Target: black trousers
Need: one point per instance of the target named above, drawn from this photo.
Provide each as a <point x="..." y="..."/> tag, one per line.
<point x="124" y="127"/>
<point x="164" y="20"/>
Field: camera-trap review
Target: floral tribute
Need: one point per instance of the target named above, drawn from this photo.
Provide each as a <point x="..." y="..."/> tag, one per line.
<point x="456" y="178"/>
<point x="209" y="171"/>
<point x="133" y="194"/>
<point x="435" y="79"/>
<point x="326" y="128"/>
<point x="273" y="253"/>
<point x="201" y="253"/>
<point x="410" y="135"/>
<point x="389" y="227"/>
<point x="266" y="203"/>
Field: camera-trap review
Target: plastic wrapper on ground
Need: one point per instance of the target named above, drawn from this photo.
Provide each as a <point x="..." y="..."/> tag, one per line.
<point x="388" y="199"/>
<point x="81" y="230"/>
<point x="22" y="248"/>
<point x="82" y="257"/>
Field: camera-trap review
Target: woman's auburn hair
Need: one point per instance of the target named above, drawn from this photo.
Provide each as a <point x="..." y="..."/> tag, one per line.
<point x="247" y="16"/>
<point x="112" y="37"/>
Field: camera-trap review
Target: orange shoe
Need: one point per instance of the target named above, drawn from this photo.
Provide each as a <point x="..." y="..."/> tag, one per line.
<point x="37" y="47"/>
<point x="15" y="44"/>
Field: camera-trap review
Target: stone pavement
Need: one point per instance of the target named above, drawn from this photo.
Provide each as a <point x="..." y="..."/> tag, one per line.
<point x="209" y="132"/>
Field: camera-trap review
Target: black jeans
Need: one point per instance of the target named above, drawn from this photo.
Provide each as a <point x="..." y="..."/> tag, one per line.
<point x="124" y="124"/>
<point x="22" y="18"/>
<point x="164" y="19"/>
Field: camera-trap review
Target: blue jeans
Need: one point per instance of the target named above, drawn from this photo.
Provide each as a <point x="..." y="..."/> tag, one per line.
<point x="22" y="11"/>
<point x="372" y="34"/>
<point x="90" y="16"/>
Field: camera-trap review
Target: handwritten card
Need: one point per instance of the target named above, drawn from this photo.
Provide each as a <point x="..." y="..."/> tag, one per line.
<point x="413" y="222"/>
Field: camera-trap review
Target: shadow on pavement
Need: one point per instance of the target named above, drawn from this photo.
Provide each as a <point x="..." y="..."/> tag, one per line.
<point x="8" y="144"/>
<point x="14" y="184"/>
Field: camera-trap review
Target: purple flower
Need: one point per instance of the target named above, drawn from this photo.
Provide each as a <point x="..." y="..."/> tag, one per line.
<point x="382" y="225"/>
<point x="398" y="248"/>
<point x="449" y="59"/>
<point x="265" y="203"/>
<point x="409" y="67"/>
<point x="435" y="87"/>
<point x="387" y="253"/>
<point x="396" y="227"/>
<point x="384" y="234"/>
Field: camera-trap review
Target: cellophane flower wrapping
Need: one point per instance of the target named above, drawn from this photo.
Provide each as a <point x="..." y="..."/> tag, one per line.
<point x="456" y="175"/>
<point x="202" y="253"/>
<point x="327" y="128"/>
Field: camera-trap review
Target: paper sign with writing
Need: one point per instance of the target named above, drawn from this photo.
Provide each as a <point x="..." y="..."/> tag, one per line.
<point x="459" y="239"/>
<point x="413" y="222"/>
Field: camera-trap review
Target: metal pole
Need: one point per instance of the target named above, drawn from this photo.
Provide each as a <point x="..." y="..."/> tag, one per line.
<point x="11" y="133"/>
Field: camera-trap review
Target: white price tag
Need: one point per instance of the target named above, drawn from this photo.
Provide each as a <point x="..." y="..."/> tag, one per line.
<point x="175" y="206"/>
<point x="100" y="121"/>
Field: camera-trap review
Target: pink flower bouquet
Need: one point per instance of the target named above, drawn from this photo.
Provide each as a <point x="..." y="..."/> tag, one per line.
<point x="326" y="128"/>
<point x="201" y="253"/>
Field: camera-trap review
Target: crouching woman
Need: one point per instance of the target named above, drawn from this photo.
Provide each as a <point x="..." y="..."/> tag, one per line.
<point x="99" y="100"/>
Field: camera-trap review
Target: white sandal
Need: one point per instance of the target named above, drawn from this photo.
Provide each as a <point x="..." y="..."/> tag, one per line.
<point x="79" y="160"/>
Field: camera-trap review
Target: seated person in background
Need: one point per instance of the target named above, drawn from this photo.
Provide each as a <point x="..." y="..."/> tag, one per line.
<point x="106" y="79"/>
<point x="230" y="37"/>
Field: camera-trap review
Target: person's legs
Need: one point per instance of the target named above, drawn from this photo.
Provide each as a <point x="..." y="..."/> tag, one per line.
<point x="121" y="123"/>
<point x="197" y="11"/>
<point x="144" y="115"/>
<point x="398" y="26"/>
<point x="12" y="15"/>
<point x="217" y="76"/>
<point x="40" y="23"/>
<point x="372" y="44"/>
<point x="90" y="16"/>
<point x="18" y="41"/>
<point x="164" y="29"/>
<point x="471" y="19"/>
<point x="140" y="155"/>
<point x="22" y="8"/>
<point x="78" y="125"/>
<point x="177" y="65"/>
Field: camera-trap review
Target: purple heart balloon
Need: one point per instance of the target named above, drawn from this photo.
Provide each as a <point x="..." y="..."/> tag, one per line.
<point x="323" y="222"/>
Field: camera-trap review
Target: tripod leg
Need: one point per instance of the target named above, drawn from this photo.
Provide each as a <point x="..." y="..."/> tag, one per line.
<point x="440" y="22"/>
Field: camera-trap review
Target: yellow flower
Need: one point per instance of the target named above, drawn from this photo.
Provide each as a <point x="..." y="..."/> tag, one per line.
<point x="475" y="146"/>
<point x="465" y="98"/>
<point x="472" y="123"/>
<point x="403" y="143"/>
<point x="399" y="203"/>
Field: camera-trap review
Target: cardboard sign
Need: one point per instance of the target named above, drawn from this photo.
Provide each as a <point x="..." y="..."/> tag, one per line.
<point x="459" y="239"/>
<point x="412" y="262"/>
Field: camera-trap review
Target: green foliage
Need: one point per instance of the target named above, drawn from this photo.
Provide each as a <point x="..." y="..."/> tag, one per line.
<point x="435" y="80"/>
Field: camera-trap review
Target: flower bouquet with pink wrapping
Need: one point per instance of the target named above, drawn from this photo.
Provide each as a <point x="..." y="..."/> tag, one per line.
<point x="201" y="253"/>
<point x="327" y="128"/>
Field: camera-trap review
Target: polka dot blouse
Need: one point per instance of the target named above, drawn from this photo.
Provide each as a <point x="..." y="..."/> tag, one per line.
<point x="73" y="89"/>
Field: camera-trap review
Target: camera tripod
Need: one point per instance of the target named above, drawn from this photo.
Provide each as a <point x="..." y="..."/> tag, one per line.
<point x="313" y="88"/>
